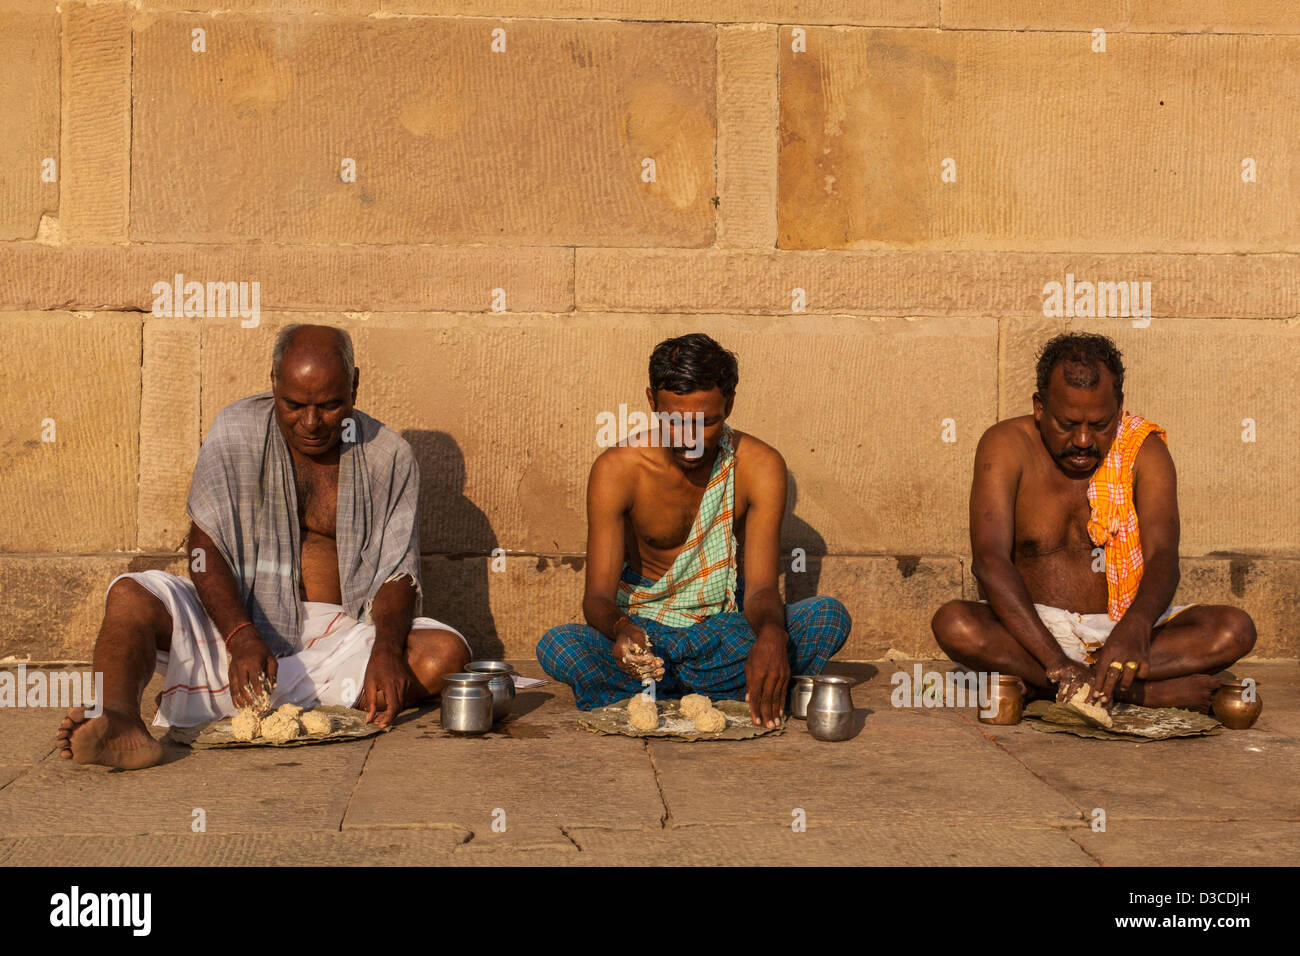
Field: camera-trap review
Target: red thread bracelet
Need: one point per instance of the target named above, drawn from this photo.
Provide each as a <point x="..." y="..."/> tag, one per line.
<point x="236" y="630"/>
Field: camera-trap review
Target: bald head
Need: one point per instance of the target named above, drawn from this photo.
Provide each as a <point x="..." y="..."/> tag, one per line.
<point x="313" y="344"/>
<point x="314" y="381"/>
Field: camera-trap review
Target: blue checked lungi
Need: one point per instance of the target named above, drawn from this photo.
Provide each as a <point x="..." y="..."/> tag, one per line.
<point x="706" y="658"/>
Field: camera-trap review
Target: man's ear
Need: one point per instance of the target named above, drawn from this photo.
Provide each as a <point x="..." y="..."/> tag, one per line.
<point x="1038" y="407"/>
<point x="650" y="397"/>
<point x="356" y="380"/>
<point x="731" y="400"/>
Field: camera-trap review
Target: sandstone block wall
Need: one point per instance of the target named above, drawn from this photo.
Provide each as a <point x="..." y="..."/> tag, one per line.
<point x="508" y="204"/>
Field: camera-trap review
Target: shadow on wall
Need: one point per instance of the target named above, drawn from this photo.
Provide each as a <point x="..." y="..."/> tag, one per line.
<point x="797" y="533"/>
<point x="454" y="529"/>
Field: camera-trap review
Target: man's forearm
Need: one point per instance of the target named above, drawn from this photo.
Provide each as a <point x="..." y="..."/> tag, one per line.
<point x="603" y="614"/>
<point x="765" y="612"/>
<point x="1010" y="601"/>
<point x="1156" y="592"/>
<point x="392" y="612"/>
<point x="215" y="585"/>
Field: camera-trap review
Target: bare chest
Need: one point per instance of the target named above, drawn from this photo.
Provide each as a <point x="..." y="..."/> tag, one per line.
<point x="1052" y="516"/>
<point x="663" y="522"/>
<point x="318" y="491"/>
<point x="660" y="525"/>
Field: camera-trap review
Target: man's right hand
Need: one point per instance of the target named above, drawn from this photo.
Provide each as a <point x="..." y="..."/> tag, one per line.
<point x="631" y="650"/>
<point x="1069" y="676"/>
<point x="252" y="665"/>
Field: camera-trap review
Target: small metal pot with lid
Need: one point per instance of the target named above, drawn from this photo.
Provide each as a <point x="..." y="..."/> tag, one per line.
<point x="801" y="688"/>
<point x="501" y="683"/>
<point x="466" y="704"/>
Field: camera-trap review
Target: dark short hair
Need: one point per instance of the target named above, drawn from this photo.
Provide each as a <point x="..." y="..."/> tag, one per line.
<point x="693" y="363"/>
<point x="1084" y="355"/>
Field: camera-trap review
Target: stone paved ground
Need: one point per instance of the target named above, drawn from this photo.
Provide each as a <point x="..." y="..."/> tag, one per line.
<point x="914" y="787"/>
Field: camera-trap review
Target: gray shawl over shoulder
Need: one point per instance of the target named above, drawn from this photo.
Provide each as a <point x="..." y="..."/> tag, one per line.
<point x="243" y="496"/>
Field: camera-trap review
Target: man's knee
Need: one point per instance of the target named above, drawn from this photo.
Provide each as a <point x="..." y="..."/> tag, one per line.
<point x="556" y="650"/>
<point x="130" y="602"/>
<point x="1233" y="635"/>
<point x="435" y="652"/>
<point x="831" y="613"/>
<point x="955" y="628"/>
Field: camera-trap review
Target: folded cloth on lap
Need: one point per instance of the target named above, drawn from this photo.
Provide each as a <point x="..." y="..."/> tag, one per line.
<point x="327" y="664"/>
<point x="1082" y="635"/>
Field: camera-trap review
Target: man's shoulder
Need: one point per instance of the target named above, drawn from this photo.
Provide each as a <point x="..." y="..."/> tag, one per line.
<point x="1010" y="432"/>
<point x="381" y="442"/>
<point x="617" y="462"/>
<point x="753" y="454"/>
<point x="244" y="417"/>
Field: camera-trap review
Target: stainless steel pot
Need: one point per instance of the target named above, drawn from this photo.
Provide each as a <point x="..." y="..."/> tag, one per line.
<point x="830" y="709"/>
<point x="801" y="688"/>
<point x="501" y="684"/>
<point x="466" y="704"/>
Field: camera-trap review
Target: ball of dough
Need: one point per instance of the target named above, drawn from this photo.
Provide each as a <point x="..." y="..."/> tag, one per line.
<point x="280" y="728"/>
<point x="289" y="710"/>
<point x="314" y="722"/>
<point x="246" y="725"/>
<point x="643" y="712"/>
<point x="711" y="721"/>
<point x="693" y="705"/>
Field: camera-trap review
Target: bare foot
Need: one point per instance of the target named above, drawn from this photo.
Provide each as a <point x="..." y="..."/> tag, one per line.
<point x="1192" y="692"/>
<point x="113" y="739"/>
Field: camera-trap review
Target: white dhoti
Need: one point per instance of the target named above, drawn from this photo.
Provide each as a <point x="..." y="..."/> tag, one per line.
<point x="327" y="667"/>
<point x="1082" y="635"/>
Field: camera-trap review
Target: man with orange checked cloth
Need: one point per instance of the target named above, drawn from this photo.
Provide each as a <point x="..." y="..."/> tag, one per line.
<point x="1049" y="490"/>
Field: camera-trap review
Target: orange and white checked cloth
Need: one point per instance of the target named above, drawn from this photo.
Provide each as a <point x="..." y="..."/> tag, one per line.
<point x="1114" y="523"/>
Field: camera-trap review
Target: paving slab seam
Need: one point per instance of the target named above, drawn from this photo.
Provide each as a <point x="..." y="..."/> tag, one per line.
<point x="1086" y="852"/>
<point x="1118" y="31"/>
<point x="666" y="821"/>
<point x="877" y="820"/>
<point x="370" y="748"/>
<point x="1246" y="819"/>
<point x="607" y="828"/>
<point x="466" y="833"/>
<point x="1039" y="777"/>
<point x="25" y="772"/>
<point x="576" y="845"/>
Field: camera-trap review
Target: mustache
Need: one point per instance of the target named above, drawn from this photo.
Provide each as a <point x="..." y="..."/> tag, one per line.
<point x="1079" y="453"/>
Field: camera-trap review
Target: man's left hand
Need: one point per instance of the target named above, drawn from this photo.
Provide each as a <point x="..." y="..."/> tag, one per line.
<point x="1122" y="659"/>
<point x="389" y="682"/>
<point x="767" y="675"/>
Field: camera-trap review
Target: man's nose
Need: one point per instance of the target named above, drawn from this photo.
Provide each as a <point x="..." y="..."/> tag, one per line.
<point x="311" y="418"/>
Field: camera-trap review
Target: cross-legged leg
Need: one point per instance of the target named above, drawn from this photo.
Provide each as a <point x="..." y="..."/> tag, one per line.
<point x="136" y="626"/>
<point x="1186" y="653"/>
<point x="432" y="653"/>
<point x="579" y="656"/>
<point x="971" y="634"/>
<point x="818" y="628"/>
